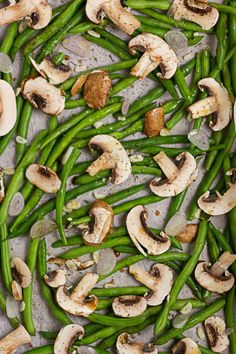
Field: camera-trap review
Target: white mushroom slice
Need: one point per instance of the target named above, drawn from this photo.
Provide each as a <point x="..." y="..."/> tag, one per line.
<point x="7" y="108"/>
<point x="55" y="73"/>
<point x="66" y="338"/>
<point x="2" y="188"/>
<point x="96" y="89"/>
<point x="126" y="345"/>
<point x="141" y="235"/>
<point x="219" y="204"/>
<point x="100" y="226"/>
<point x="186" y="346"/>
<point x="16" y="291"/>
<point x="129" y="306"/>
<point x="78" y="303"/>
<point x="114" y="157"/>
<point x="156" y="53"/>
<point x="218" y="103"/>
<point x="37" y="13"/>
<point x="159" y="280"/>
<point x="13" y="340"/>
<point x="56" y="278"/>
<point x="179" y="175"/>
<point x="215" y="330"/>
<point x="196" y="11"/>
<point x="114" y="11"/>
<point x="43" y="177"/>
<point x="216" y="277"/>
<point x="21" y="272"/>
<point x="44" y="96"/>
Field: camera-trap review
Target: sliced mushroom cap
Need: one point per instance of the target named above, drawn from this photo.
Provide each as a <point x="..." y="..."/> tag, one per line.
<point x="215" y="330"/>
<point x="100" y="226"/>
<point x="77" y="303"/>
<point x="179" y="175"/>
<point x="66" y="338"/>
<point x="96" y="89"/>
<point x="7" y="107"/>
<point x="218" y="103"/>
<point x="159" y="280"/>
<point x="56" y="278"/>
<point x="220" y="204"/>
<point x="78" y="85"/>
<point x="114" y="11"/>
<point x="44" y="96"/>
<point x="43" y="177"/>
<point x="37" y="13"/>
<point x="142" y="236"/>
<point x="156" y="53"/>
<point x="55" y="73"/>
<point x="216" y="277"/>
<point x="2" y="188"/>
<point x="15" y="339"/>
<point x="114" y="157"/>
<point x="126" y="345"/>
<point x="186" y="346"/>
<point x="129" y="306"/>
<point x="16" y="291"/>
<point x="196" y="11"/>
<point x="21" y="272"/>
<point x="154" y="122"/>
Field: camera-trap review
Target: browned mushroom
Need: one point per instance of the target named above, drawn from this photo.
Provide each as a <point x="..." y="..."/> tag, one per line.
<point x="154" y="122"/>
<point x="96" y="89"/>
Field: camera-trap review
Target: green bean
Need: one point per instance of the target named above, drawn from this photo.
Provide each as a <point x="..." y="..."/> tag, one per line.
<point x="153" y="23"/>
<point x="22" y="130"/>
<point x="227" y="81"/>
<point x="150" y="29"/>
<point x="224" y="8"/>
<point x="221" y="40"/>
<point x="176" y="151"/>
<point x="28" y="292"/>
<point x="44" y="349"/>
<point x="86" y="26"/>
<point x="185" y="273"/>
<point x="230" y="319"/>
<point x="213" y="154"/>
<point x="60" y="197"/>
<point x="9" y="38"/>
<point x="53" y="28"/>
<point x="232" y="42"/>
<point x="193" y="321"/>
<point x="107" y="292"/>
<point x="5" y="258"/>
<point x="211" y="175"/>
<point x="195" y="40"/>
<point x="140" y="4"/>
<point x="213" y="248"/>
<point x="176" y="203"/>
<point x="232" y="215"/>
<point x="182" y="85"/>
<point x="18" y="176"/>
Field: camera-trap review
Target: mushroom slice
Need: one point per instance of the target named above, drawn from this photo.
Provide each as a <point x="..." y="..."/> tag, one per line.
<point x="66" y="338"/>
<point x="215" y="330"/>
<point x="114" y="11"/>
<point x="15" y="339"/>
<point x="126" y="345"/>
<point x="196" y="11"/>
<point x="216" y="277"/>
<point x="220" y="204"/>
<point x="56" y="278"/>
<point x="55" y="73"/>
<point x="21" y="272"/>
<point x="218" y="103"/>
<point x="37" y="13"/>
<point x="129" y="306"/>
<point x="16" y="291"/>
<point x="159" y="280"/>
<point x="7" y="107"/>
<point x="186" y="346"/>
<point x="96" y="89"/>
<point x="142" y="236"/>
<point x="179" y="175"/>
<point x="78" y="303"/>
<point x="2" y="189"/>
<point x="43" y="177"/>
<point x="100" y="226"/>
<point x="44" y="96"/>
<point x="78" y="85"/>
<point x="156" y="53"/>
<point x="114" y="157"/>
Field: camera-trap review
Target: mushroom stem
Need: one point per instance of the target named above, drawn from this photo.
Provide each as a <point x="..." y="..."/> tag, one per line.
<point x="167" y="166"/>
<point x="143" y="277"/>
<point x="203" y="107"/>
<point x="103" y="162"/>
<point x="145" y="65"/>
<point x="14" y="340"/>
<point x="86" y="284"/>
<point x="16" y="12"/>
<point x="223" y="263"/>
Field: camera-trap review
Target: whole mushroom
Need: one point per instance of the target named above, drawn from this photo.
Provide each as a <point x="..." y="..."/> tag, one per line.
<point x="114" y="11"/>
<point x="37" y="13"/>
<point x="7" y="108"/>
<point x="216" y="277"/>
<point x="218" y="103"/>
<point x="156" y="53"/>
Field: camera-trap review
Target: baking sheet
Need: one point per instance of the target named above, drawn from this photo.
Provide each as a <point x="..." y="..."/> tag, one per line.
<point x="93" y="56"/>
